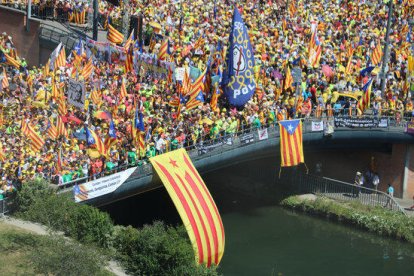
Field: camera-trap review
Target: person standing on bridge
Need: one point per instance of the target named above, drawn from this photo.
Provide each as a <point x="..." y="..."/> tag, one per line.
<point x="390" y="192"/>
<point x="359" y="182"/>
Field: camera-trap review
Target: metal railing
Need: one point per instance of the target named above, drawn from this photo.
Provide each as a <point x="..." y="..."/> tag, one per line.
<point x="344" y="191"/>
<point x="3" y="207"/>
<point x="53" y="34"/>
<point x="225" y="143"/>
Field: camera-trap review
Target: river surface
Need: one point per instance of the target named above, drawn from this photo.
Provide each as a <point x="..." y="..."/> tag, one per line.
<point x="264" y="239"/>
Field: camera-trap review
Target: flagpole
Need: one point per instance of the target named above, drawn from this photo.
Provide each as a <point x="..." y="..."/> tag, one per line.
<point x="386" y="54"/>
<point x="95" y="20"/>
<point x="29" y="14"/>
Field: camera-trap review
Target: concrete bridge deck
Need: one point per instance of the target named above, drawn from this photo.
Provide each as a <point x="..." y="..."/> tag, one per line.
<point x="222" y="154"/>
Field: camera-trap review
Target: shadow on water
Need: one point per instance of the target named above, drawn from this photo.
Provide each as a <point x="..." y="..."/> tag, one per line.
<point x="264" y="239"/>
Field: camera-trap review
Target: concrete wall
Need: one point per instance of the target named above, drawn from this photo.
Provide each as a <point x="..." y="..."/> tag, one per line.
<point x="389" y="162"/>
<point x="409" y="173"/>
<point x="27" y="43"/>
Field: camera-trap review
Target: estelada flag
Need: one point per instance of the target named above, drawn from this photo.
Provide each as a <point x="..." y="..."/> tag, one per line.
<point x="194" y="204"/>
<point x="291" y="146"/>
<point x="114" y="35"/>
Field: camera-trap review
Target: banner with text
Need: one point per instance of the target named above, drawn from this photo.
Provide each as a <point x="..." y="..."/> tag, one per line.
<point x="360" y="122"/>
<point x="101" y="186"/>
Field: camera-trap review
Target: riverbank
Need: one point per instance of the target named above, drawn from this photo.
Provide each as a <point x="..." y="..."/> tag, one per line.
<point x="373" y="219"/>
<point x="24" y="252"/>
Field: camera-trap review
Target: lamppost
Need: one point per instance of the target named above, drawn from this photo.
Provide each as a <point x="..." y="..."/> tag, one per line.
<point x="386" y="50"/>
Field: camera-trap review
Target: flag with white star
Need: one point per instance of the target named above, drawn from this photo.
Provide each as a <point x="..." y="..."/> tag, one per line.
<point x="194" y="204"/>
<point x="291" y="146"/>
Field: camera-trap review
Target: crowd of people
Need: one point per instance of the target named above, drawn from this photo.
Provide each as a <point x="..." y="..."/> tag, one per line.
<point x="348" y="31"/>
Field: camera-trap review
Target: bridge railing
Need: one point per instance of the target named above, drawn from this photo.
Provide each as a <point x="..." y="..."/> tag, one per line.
<point x="340" y="190"/>
<point x="56" y="35"/>
<point x="225" y="143"/>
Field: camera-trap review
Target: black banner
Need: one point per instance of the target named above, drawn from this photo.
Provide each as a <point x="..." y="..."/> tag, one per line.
<point x="360" y="122"/>
<point x="246" y="139"/>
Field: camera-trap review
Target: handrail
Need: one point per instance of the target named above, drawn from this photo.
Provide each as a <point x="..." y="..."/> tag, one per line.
<point x="341" y="190"/>
<point x="222" y="144"/>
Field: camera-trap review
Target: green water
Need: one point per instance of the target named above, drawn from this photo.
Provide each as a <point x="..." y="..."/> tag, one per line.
<point x="264" y="239"/>
<point x="275" y="241"/>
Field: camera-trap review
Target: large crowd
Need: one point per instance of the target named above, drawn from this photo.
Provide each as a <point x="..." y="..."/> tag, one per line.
<point x="280" y="36"/>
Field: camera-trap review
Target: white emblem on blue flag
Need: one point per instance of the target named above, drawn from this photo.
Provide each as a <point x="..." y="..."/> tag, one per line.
<point x="238" y="80"/>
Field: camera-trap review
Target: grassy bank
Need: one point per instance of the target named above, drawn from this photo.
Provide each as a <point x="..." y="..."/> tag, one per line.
<point x="24" y="253"/>
<point x="374" y="219"/>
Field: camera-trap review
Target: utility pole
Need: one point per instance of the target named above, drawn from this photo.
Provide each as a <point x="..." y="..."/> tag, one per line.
<point x="28" y="14"/>
<point x="95" y="20"/>
<point x="386" y="54"/>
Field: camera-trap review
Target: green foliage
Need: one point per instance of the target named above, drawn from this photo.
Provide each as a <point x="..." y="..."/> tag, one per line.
<point x="142" y="251"/>
<point x="152" y="250"/>
<point x="91" y="225"/>
<point x="59" y="212"/>
<point x="52" y="255"/>
<point x="373" y="219"/>
<point x="31" y="192"/>
<point x="56" y="256"/>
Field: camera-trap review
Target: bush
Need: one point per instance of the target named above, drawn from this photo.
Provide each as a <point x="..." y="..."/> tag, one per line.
<point x="56" y="256"/>
<point x="152" y="250"/>
<point x="40" y="203"/>
<point x="373" y="219"/>
<point x="157" y="250"/>
<point x="88" y="224"/>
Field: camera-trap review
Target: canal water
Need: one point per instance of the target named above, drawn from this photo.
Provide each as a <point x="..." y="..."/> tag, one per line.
<point x="265" y="239"/>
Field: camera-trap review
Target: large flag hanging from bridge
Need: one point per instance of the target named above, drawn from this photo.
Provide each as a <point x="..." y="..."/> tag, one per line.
<point x="291" y="147"/>
<point x="238" y="79"/>
<point x="194" y="204"/>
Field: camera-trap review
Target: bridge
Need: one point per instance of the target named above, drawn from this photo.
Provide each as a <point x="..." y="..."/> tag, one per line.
<point x="247" y="146"/>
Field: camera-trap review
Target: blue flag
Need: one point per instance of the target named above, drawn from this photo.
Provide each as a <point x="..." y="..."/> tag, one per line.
<point x="139" y="121"/>
<point x="89" y="138"/>
<point x="290" y="125"/>
<point x="238" y="79"/>
<point x="366" y="71"/>
<point x="112" y="131"/>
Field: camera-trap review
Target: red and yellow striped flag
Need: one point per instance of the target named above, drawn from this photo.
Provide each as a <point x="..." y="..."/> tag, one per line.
<point x="61" y="58"/>
<point x="4" y="80"/>
<point x="163" y="52"/>
<point x="51" y="131"/>
<point x="365" y="101"/>
<point x="376" y="54"/>
<point x="61" y="129"/>
<point x="96" y="97"/>
<point x="123" y="94"/>
<point x="10" y="60"/>
<point x="87" y="69"/>
<point x="114" y="35"/>
<point x="291" y="147"/>
<point x="37" y="141"/>
<point x="62" y="110"/>
<point x="288" y="78"/>
<point x="194" y="204"/>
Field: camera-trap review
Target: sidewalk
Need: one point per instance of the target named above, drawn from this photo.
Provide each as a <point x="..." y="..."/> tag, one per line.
<point x="406" y="204"/>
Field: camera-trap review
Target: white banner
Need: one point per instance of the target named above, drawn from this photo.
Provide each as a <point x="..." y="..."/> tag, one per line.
<point x="179" y="73"/>
<point x="76" y="93"/>
<point x="101" y="186"/>
<point x="317" y="126"/>
<point x="263" y="135"/>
